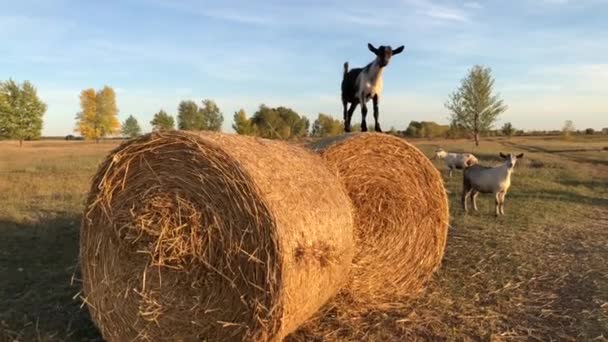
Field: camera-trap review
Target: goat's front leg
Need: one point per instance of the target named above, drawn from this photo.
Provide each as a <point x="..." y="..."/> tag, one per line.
<point x="450" y="172"/>
<point x="474" y="200"/>
<point x="345" y="114"/>
<point x="363" y="115"/>
<point x="349" y="116"/>
<point x="502" y="202"/>
<point x="497" y="204"/>
<point x="376" y="113"/>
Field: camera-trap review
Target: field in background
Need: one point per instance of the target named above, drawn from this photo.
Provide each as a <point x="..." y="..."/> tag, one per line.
<point x="540" y="272"/>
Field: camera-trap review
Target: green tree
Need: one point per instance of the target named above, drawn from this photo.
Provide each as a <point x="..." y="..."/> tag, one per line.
<point x="326" y="126"/>
<point x="473" y="105"/>
<point x="189" y="117"/>
<point x="589" y="131"/>
<point x="212" y="118"/>
<point x="99" y="114"/>
<point x="241" y="124"/>
<point x="507" y="129"/>
<point x="162" y="121"/>
<point x="279" y="123"/>
<point x="21" y="111"/>
<point x="130" y="127"/>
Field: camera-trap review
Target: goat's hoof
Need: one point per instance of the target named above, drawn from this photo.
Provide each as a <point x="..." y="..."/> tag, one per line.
<point x="363" y="128"/>
<point x="378" y="129"/>
<point x="347" y="129"/>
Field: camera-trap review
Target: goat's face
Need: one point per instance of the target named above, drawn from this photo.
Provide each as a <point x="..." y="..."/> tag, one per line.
<point x="384" y="53"/>
<point x="440" y="153"/>
<point x="511" y="158"/>
<point x="472" y="161"/>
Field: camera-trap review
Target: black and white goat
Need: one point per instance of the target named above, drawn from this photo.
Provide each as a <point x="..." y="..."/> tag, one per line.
<point x="361" y="84"/>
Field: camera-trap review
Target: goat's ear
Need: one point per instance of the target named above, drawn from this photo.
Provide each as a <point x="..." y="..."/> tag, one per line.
<point x="372" y="48"/>
<point x="502" y="155"/>
<point x="521" y="155"/>
<point x="398" y="50"/>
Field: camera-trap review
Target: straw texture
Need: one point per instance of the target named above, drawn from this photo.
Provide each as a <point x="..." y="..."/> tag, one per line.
<point x="212" y="237"/>
<point x="401" y="214"/>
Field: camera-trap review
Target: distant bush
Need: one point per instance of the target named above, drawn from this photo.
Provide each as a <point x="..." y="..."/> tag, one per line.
<point x="426" y="129"/>
<point x="589" y="131"/>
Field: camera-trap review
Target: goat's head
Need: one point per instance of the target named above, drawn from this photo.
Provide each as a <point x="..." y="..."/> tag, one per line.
<point x="440" y="153"/>
<point x="472" y="160"/>
<point x="511" y="159"/>
<point x="384" y="53"/>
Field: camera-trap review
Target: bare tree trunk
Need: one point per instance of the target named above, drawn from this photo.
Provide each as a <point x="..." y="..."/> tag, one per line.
<point x="476" y="138"/>
<point x="20" y="143"/>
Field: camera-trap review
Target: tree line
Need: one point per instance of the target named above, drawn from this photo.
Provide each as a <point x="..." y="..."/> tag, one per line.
<point x="474" y="109"/>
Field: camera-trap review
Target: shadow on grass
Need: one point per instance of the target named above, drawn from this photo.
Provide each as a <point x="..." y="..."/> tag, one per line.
<point x="561" y="196"/>
<point x="563" y="153"/>
<point x="37" y="262"/>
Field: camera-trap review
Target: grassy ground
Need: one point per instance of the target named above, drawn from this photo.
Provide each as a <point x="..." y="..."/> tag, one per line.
<point x="540" y="272"/>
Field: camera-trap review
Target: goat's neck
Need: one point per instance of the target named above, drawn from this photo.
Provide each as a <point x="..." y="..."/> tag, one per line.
<point x="375" y="71"/>
<point x="505" y="170"/>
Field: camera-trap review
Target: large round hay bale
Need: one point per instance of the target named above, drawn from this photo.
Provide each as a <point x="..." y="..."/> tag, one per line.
<point x="401" y="213"/>
<point x="212" y="237"/>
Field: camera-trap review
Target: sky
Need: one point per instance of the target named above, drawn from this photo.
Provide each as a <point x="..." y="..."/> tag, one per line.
<point x="549" y="57"/>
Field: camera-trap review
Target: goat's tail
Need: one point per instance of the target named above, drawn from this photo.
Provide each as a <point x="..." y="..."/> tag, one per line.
<point x="345" y="68"/>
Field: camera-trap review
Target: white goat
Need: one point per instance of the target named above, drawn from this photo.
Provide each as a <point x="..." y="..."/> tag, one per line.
<point x="495" y="180"/>
<point x="361" y="84"/>
<point x="456" y="160"/>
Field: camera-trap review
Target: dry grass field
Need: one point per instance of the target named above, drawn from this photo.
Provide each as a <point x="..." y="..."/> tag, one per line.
<point x="539" y="273"/>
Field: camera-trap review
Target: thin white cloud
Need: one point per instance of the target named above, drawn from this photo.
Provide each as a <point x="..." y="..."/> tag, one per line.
<point x="439" y="12"/>
<point x="473" y="5"/>
<point x="447" y="14"/>
<point x="237" y="16"/>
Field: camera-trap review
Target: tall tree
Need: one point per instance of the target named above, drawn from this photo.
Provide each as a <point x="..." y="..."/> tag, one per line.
<point x="130" y="127"/>
<point x="473" y="105"/>
<point x="241" y="124"/>
<point x="211" y="115"/>
<point x="21" y="111"/>
<point x="189" y="118"/>
<point x="568" y="128"/>
<point x="162" y="121"/>
<point x="507" y="129"/>
<point x="326" y="126"/>
<point x="99" y="114"/>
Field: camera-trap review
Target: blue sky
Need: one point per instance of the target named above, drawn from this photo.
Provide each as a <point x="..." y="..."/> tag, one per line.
<point x="549" y="57"/>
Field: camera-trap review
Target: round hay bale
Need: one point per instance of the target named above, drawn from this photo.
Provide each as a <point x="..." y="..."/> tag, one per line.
<point x="401" y="214"/>
<point x="212" y="237"/>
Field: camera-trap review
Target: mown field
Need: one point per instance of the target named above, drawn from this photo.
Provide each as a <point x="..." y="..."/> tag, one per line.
<point x="539" y="273"/>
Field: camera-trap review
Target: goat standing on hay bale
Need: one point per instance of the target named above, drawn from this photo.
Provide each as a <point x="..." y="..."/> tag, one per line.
<point x="361" y="84"/>
<point x="495" y="180"/>
<point x="456" y="160"/>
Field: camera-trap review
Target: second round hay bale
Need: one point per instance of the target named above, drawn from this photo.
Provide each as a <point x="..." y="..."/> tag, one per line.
<point x="212" y="237"/>
<point x="401" y="213"/>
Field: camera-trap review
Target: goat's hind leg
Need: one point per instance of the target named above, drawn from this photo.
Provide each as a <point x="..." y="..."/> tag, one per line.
<point x="465" y="194"/>
<point x="349" y="115"/>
